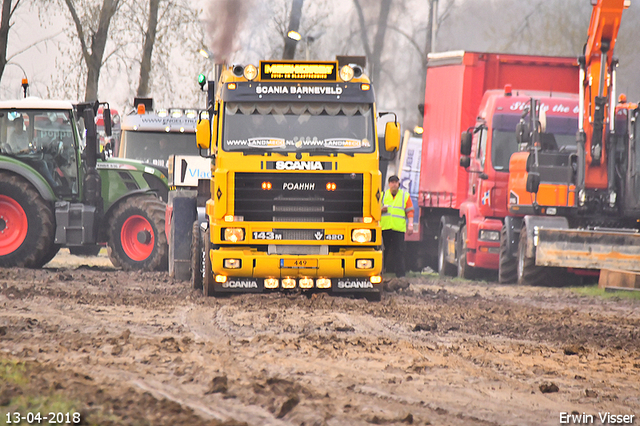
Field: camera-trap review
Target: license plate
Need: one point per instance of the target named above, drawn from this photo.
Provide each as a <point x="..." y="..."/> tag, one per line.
<point x="299" y="263"/>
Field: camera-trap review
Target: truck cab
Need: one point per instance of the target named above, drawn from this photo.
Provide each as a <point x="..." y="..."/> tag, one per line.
<point x="493" y="141"/>
<point x="153" y="135"/>
<point x="296" y="188"/>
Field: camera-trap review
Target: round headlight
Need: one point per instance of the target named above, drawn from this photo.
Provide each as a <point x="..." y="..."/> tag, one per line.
<point x="250" y="72"/>
<point x="361" y="235"/>
<point x="346" y="73"/>
<point x="234" y="234"/>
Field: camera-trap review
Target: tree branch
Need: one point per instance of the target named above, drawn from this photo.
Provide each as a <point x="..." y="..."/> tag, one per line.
<point x="363" y="29"/>
<point x="34" y="44"/>
<point x="15" y="6"/>
<point x="76" y="20"/>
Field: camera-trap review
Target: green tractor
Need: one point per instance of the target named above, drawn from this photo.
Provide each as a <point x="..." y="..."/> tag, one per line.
<point x="58" y="190"/>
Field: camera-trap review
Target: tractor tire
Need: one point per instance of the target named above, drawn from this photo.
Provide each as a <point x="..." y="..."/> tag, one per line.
<point x="528" y="273"/>
<point x="55" y="248"/>
<point x="445" y="269"/>
<point x="197" y="258"/>
<point x="507" y="264"/>
<point x="27" y="226"/>
<point x="464" y="269"/>
<point x="207" y="274"/>
<point x="136" y="235"/>
<point x="85" y="250"/>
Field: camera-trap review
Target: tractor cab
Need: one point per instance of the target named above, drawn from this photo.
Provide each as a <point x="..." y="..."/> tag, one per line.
<point x="44" y="136"/>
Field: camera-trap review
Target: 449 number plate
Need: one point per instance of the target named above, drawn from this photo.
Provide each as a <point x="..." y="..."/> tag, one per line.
<point x="298" y="263"/>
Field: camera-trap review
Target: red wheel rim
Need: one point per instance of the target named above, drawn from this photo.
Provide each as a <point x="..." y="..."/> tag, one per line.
<point x="137" y="238"/>
<point x="13" y="225"/>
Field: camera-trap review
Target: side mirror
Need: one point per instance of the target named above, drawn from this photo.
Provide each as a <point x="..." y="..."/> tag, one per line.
<point x="392" y="136"/>
<point x="522" y="133"/>
<point x="533" y="182"/>
<point x="106" y="119"/>
<point x="203" y="134"/>
<point x="465" y="143"/>
<point x="465" y="161"/>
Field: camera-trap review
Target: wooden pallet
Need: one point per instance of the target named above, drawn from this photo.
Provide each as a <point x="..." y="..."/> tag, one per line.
<point x="613" y="280"/>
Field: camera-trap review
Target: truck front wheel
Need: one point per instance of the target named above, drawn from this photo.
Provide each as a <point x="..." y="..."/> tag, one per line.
<point x="445" y="269"/>
<point x="26" y="224"/>
<point x="197" y="257"/>
<point x="136" y="235"/>
<point x="464" y="270"/>
<point x="207" y="273"/>
<point x="507" y="264"/>
<point x="528" y="272"/>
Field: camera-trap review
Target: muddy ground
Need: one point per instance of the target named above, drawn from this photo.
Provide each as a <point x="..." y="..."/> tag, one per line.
<point x="141" y="348"/>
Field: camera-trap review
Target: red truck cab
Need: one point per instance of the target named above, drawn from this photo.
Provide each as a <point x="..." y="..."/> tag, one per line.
<point x="493" y="143"/>
<point x="462" y="208"/>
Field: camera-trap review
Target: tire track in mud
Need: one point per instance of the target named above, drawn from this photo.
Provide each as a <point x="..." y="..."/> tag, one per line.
<point x="439" y="352"/>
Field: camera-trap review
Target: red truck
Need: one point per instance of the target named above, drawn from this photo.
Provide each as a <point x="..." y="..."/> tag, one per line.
<point x="462" y="197"/>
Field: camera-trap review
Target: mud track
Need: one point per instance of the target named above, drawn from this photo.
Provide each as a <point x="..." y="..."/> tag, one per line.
<point x="151" y="351"/>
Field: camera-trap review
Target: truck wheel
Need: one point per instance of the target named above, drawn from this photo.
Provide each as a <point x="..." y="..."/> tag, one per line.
<point x="196" y="256"/>
<point x="26" y="224"/>
<point x="528" y="273"/>
<point x="464" y="270"/>
<point x="85" y="250"/>
<point x="445" y="269"/>
<point x="507" y="264"/>
<point x="207" y="274"/>
<point x="136" y="235"/>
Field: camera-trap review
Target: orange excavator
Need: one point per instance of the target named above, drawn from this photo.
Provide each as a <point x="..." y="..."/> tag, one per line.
<point x="576" y="209"/>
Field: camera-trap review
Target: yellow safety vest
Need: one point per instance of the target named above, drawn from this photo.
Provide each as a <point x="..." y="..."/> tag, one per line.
<point x="395" y="218"/>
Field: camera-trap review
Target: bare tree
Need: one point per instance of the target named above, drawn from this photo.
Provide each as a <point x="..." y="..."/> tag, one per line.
<point x="374" y="54"/>
<point x="160" y="44"/>
<point x="147" y="49"/>
<point x="312" y="25"/>
<point x="5" y="25"/>
<point x="92" y="32"/>
<point x="289" y="51"/>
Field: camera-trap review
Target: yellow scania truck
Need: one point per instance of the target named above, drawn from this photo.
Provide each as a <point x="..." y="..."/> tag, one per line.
<point x="295" y="188"/>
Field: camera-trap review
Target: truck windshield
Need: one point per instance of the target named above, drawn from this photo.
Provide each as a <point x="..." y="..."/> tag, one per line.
<point x="305" y="127"/>
<point x="560" y="135"/>
<point x="156" y="147"/>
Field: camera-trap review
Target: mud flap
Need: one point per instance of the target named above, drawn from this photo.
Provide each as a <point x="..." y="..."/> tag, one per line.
<point x="513" y="226"/>
<point x="533" y="224"/>
<point x="588" y="249"/>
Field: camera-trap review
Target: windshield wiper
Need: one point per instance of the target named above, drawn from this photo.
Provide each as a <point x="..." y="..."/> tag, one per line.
<point x="262" y="151"/>
<point x="321" y="150"/>
<point x="317" y="152"/>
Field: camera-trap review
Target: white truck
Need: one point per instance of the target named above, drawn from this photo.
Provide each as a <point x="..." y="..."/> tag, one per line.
<point x="166" y="138"/>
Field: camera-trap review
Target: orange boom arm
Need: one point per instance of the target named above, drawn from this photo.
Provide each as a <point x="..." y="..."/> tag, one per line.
<point x="597" y="90"/>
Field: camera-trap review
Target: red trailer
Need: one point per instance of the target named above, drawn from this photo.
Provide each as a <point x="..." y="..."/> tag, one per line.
<point x="463" y="187"/>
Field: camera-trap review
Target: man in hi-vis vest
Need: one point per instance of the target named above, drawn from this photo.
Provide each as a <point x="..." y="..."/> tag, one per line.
<point x="397" y="217"/>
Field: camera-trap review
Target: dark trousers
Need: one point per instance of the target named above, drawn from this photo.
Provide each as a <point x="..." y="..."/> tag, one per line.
<point x="394" y="252"/>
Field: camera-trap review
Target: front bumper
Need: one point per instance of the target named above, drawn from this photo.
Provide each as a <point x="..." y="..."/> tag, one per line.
<point x="486" y="253"/>
<point x="335" y="271"/>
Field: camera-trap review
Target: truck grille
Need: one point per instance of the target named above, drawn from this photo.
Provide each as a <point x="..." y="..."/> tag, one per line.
<point x="297" y="234"/>
<point x="298" y="197"/>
